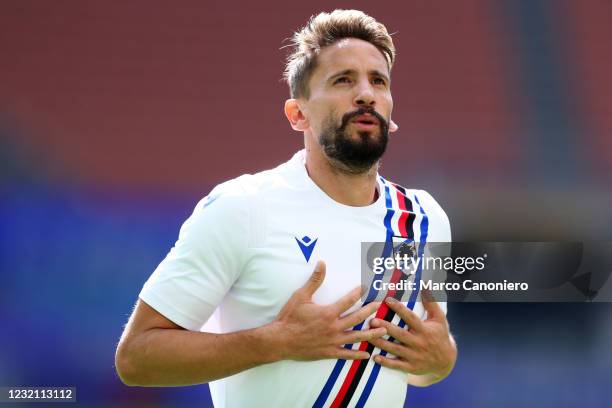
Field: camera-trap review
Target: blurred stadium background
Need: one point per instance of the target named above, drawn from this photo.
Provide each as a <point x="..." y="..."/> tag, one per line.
<point x="115" y="118"/>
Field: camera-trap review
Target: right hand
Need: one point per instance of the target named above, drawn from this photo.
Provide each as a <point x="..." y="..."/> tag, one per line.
<point x="308" y="331"/>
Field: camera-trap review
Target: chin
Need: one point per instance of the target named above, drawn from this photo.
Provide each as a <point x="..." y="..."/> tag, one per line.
<point x="361" y="135"/>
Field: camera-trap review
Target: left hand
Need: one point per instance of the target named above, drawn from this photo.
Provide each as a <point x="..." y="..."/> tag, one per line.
<point x="425" y="347"/>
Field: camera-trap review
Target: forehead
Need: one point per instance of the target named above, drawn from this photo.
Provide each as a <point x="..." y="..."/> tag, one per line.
<point x="350" y="53"/>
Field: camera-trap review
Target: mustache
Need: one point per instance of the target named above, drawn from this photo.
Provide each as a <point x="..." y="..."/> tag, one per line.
<point x="347" y="117"/>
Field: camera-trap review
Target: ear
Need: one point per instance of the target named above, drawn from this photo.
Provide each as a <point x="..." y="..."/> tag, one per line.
<point x="295" y="116"/>
<point x="393" y="126"/>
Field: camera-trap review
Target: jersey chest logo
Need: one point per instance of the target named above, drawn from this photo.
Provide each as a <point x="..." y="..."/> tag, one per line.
<point x="306" y="245"/>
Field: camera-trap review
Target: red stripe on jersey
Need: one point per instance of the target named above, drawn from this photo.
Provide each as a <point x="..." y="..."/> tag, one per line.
<point x="380" y="314"/>
<point x="402" y="224"/>
<point x="401" y="200"/>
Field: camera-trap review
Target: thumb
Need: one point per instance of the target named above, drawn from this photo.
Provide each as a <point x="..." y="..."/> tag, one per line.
<point x="315" y="280"/>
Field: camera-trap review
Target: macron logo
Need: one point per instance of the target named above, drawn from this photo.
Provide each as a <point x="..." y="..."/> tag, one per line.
<point x="306" y="246"/>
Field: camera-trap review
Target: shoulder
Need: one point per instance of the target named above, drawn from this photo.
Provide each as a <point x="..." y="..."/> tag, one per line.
<point x="439" y="222"/>
<point x="225" y="198"/>
<point x="236" y="206"/>
<point x="246" y="187"/>
<point x="430" y="204"/>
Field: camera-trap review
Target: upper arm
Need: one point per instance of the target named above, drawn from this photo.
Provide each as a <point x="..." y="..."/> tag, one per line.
<point x="144" y="318"/>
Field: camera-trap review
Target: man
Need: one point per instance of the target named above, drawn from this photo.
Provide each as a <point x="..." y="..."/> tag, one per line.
<point x="291" y="330"/>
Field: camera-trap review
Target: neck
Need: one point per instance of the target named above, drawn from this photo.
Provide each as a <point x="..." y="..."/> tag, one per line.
<point x="356" y="190"/>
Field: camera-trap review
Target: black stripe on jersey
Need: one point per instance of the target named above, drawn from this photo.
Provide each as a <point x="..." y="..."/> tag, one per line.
<point x="407" y="201"/>
<point x="363" y="363"/>
<point x="411" y="215"/>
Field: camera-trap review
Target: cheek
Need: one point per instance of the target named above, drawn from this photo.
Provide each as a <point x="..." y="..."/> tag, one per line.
<point x="321" y="113"/>
<point x="314" y="120"/>
<point x="387" y="104"/>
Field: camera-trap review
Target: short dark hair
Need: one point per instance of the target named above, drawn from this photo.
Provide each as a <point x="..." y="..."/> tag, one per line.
<point x="323" y="30"/>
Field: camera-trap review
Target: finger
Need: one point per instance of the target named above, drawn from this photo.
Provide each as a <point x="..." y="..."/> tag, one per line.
<point x="393" y="363"/>
<point x="315" y="280"/>
<point x="359" y="316"/>
<point x="346" y="354"/>
<point x="399" y="333"/>
<point x="434" y="311"/>
<point x="346" y="301"/>
<point x="357" y="336"/>
<point x="391" y="347"/>
<point x="412" y="320"/>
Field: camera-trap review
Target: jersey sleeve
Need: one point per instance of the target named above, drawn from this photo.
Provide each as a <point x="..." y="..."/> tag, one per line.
<point x="205" y="261"/>
<point x="440" y="230"/>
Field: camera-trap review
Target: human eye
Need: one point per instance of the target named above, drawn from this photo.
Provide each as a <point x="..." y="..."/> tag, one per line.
<point x="342" y="80"/>
<point x="379" y="81"/>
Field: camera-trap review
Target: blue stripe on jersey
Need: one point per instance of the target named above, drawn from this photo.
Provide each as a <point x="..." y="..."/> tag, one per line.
<point x="387" y="250"/>
<point x="424" y="226"/>
<point x="424" y="222"/>
<point x="329" y="384"/>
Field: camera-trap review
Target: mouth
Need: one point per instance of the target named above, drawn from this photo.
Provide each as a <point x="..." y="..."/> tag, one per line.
<point x="366" y="119"/>
<point x="366" y="122"/>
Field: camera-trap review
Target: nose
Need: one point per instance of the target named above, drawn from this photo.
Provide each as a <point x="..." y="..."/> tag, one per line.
<point x="364" y="96"/>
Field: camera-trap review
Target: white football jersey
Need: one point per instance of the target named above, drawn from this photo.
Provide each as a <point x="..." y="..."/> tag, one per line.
<point x="252" y="242"/>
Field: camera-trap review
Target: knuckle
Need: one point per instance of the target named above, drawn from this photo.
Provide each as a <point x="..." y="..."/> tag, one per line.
<point x="316" y="278"/>
<point x="358" y="317"/>
<point x="389" y="362"/>
<point x="352" y="337"/>
<point x="300" y="294"/>
<point x="369" y="335"/>
<point x="365" y="314"/>
<point x="375" y="333"/>
<point x="328" y="314"/>
<point x="392" y="348"/>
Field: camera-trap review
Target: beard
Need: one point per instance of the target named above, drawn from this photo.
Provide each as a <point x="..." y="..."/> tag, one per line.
<point x="354" y="155"/>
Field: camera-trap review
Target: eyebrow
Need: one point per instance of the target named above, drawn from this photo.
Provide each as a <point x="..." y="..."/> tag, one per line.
<point x="352" y="72"/>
